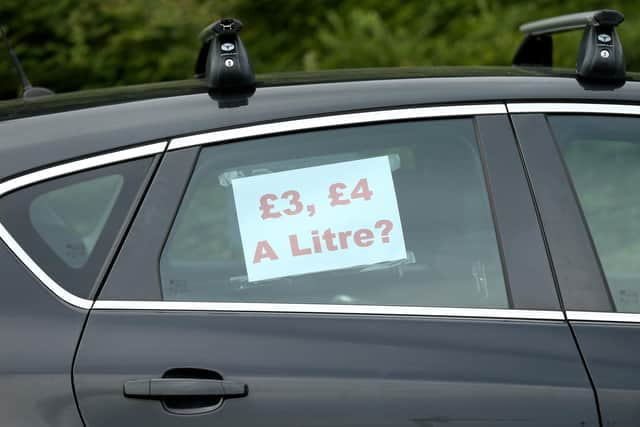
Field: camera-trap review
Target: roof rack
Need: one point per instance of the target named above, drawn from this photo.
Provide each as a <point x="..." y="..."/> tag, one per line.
<point x="224" y="63"/>
<point x="600" y="56"/>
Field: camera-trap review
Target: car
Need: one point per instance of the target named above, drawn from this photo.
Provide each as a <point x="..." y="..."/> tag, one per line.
<point x="387" y="247"/>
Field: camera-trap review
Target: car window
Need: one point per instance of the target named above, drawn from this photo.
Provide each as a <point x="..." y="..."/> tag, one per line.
<point x="602" y="155"/>
<point x="300" y="218"/>
<point x="68" y="224"/>
<point x="70" y="230"/>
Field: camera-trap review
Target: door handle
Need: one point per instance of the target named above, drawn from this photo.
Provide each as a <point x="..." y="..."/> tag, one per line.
<point x="162" y="388"/>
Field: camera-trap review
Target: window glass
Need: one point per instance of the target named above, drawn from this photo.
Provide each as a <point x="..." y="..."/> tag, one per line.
<point x="71" y="219"/>
<point x="392" y="214"/>
<point x="68" y="224"/>
<point x="602" y="154"/>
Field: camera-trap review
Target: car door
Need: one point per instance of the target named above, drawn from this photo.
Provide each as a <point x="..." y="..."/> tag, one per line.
<point x="584" y="161"/>
<point x="382" y="269"/>
<point x="57" y="230"/>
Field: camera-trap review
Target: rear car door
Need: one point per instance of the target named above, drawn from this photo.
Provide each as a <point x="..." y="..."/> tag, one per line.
<point x="57" y="231"/>
<point x="584" y="161"/>
<point x="382" y="268"/>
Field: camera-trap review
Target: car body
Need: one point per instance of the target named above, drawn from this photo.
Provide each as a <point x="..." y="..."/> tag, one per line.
<point x="130" y="295"/>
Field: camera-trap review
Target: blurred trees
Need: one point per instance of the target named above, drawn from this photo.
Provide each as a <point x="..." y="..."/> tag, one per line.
<point x="69" y="44"/>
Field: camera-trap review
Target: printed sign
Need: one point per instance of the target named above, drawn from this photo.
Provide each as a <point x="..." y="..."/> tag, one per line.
<point x="318" y="218"/>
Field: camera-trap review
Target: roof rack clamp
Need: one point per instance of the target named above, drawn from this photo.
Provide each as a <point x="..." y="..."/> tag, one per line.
<point x="600" y="56"/>
<point x="223" y="60"/>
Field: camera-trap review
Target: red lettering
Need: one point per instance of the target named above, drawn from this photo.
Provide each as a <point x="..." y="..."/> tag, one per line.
<point x="264" y="250"/>
<point x="328" y="240"/>
<point x="294" y="200"/>
<point x="386" y="226"/>
<point x="266" y="207"/>
<point x="328" y="237"/>
<point x="295" y="248"/>
<point x="317" y="247"/>
<point x="361" y="191"/>
<point x="363" y="237"/>
<point x="342" y="236"/>
<point x="335" y="195"/>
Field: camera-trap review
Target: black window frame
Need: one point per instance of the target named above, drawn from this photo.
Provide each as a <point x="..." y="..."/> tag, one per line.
<point x="358" y="144"/>
<point x="581" y="282"/>
<point x="527" y="273"/>
<point x="580" y="274"/>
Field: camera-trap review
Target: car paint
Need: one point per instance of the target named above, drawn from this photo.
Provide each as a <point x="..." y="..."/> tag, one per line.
<point x="343" y="368"/>
<point x="34" y="142"/>
<point x="39" y="335"/>
<point x="610" y="351"/>
<point x="36" y="374"/>
<point x="609" y="346"/>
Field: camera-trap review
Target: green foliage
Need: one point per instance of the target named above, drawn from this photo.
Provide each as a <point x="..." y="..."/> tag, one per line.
<point x="69" y="45"/>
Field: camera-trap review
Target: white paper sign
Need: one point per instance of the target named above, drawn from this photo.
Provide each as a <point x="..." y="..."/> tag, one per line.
<point x="319" y="218"/>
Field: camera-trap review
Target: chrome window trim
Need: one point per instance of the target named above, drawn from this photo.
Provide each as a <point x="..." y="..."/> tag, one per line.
<point x="495" y="313"/>
<point x="334" y="121"/>
<point x="46" y="280"/>
<point x="246" y="132"/>
<point x="80" y="165"/>
<point x="54" y="172"/>
<point x="601" y="316"/>
<point x="323" y="123"/>
<point x="572" y="107"/>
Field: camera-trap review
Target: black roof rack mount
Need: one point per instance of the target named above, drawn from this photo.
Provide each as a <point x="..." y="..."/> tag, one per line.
<point x="224" y="63"/>
<point x="600" y="56"/>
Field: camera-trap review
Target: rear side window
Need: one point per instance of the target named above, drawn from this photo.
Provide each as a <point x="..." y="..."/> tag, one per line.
<point x="602" y="155"/>
<point x="69" y="230"/>
<point x="391" y="214"/>
<point x="68" y="224"/>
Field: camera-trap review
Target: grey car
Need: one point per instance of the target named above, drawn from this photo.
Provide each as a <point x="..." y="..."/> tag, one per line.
<point x="391" y="247"/>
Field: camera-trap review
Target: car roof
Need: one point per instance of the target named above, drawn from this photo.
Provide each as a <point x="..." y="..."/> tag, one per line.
<point x="58" y="128"/>
<point x="18" y="108"/>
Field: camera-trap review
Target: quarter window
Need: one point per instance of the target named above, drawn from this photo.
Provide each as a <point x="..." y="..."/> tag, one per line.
<point x="68" y="224"/>
<point x="69" y="230"/>
<point x="390" y="214"/>
<point x="602" y="154"/>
